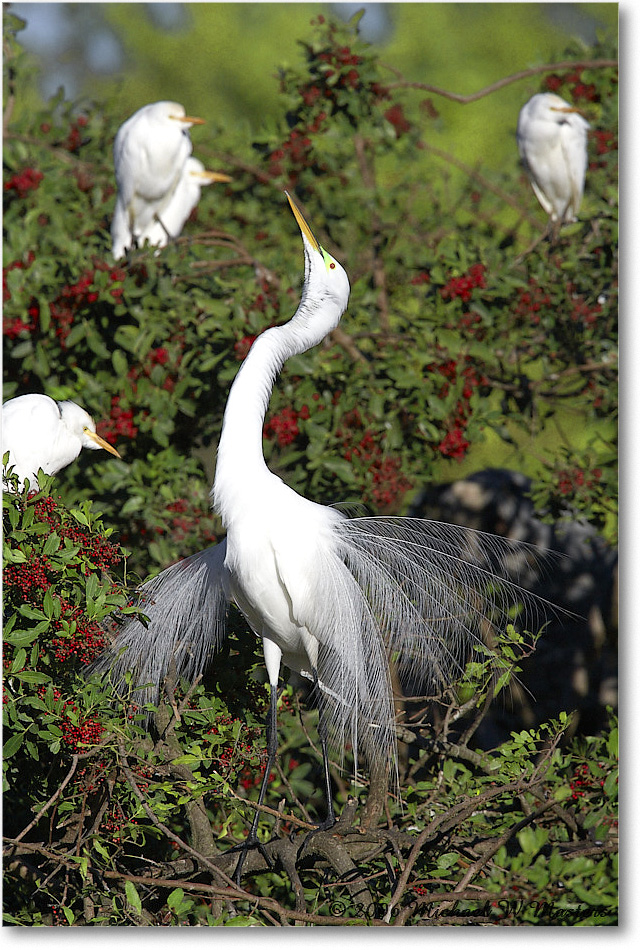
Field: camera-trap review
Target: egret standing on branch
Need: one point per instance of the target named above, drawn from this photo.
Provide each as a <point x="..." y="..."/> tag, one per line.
<point x="185" y="198"/>
<point x="38" y="432"/>
<point x="150" y="151"/>
<point x="332" y="597"/>
<point x="551" y="137"/>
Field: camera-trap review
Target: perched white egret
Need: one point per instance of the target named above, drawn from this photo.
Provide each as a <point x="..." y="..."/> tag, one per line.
<point x="150" y="151"/>
<point x="185" y="198"/>
<point x="551" y="137"/>
<point x="39" y="432"/>
<point x="330" y="596"/>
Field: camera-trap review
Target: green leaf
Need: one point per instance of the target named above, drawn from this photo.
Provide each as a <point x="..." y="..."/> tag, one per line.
<point x="132" y="897"/>
<point x="120" y="363"/>
<point x="51" y="544"/>
<point x="31" y="676"/>
<point x="12" y="745"/>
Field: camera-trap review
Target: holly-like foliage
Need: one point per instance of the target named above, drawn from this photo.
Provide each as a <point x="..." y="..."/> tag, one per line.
<point x="467" y="332"/>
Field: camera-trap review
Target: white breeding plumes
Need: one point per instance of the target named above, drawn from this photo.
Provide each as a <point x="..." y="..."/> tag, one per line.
<point x="331" y="596"/>
<point x="150" y="152"/>
<point x="185" y="198"/>
<point x="41" y="433"/>
<point x="552" y="142"/>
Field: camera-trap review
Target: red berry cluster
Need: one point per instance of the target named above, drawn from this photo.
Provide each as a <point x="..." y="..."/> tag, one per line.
<point x="185" y="520"/>
<point x="159" y="356"/>
<point x="337" y="63"/>
<point x="114" y="822"/>
<point x="232" y="757"/>
<point x="531" y="302"/>
<point x="603" y="141"/>
<point x="266" y="300"/>
<point x="579" y="90"/>
<point x="462" y="286"/>
<point x="333" y="69"/>
<point x="385" y="483"/>
<point x="585" y="782"/>
<point x="15" y="265"/>
<point x="12" y="328"/>
<point x="119" y="424"/>
<point x="243" y="346"/>
<point x="30" y="579"/>
<point x="74" y="298"/>
<point x="101" y="553"/>
<point x="570" y="481"/>
<point x="74" y="139"/>
<point x="395" y="116"/>
<point x="23" y="182"/>
<point x="454" y="444"/>
<point x="581" y="310"/>
<point x="80" y="732"/>
<point x="283" y="426"/>
<point x="297" y="151"/>
<point x="84" y="642"/>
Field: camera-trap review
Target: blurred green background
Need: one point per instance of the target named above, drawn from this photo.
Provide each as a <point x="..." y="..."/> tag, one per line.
<point x="221" y="60"/>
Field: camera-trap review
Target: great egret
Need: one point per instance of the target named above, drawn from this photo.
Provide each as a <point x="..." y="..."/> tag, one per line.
<point x="150" y="151"/>
<point x="41" y="433"/>
<point x="551" y="137"/>
<point x="331" y="596"/>
<point x="185" y="198"/>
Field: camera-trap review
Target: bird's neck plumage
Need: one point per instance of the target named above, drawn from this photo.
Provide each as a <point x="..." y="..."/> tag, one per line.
<point x="240" y="464"/>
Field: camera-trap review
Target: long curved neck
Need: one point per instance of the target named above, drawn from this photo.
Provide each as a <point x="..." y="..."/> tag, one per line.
<point x="240" y="464"/>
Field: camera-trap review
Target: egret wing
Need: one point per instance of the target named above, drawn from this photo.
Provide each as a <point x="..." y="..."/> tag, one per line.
<point x="186" y="606"/>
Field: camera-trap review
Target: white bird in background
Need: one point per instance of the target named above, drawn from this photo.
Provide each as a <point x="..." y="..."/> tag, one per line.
<point x="39" y="432"/>
<point x="150" y="151"/>
<point x="552" y="142"/>
<point x="332" y="597"/>
<point x="185" y="198"/>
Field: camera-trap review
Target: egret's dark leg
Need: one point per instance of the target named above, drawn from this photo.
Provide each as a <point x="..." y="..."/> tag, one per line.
<point x="170" y="237"/>
<point x="323" y="739"/>
<point x="272" y="745"/>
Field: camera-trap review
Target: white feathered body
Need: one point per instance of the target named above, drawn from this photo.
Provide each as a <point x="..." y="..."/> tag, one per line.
<point x="552" y="142"/>
<point x="39" y="432"/>
<point x="184" y="199"/>
<point x="333" y="597"/>
<point x="150" y="152"/>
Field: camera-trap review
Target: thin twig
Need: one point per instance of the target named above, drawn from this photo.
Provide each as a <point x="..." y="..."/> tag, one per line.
<point x="171" y="835"/>
<point x="506" y="81"/>
<point x="46" y="806"/>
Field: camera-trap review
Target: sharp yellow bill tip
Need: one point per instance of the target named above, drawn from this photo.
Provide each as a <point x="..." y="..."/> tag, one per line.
<point x="192" y="119"/>
<point x="303" y="224"/>
<point x="213" y="176"/>
<point x="103" y="444"/>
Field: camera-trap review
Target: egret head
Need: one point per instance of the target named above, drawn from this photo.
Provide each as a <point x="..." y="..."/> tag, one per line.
<point x="326" y="282"/>
<point x="548" y="106"/>
<point x="80" y="424"/>
<point x="201" y="175"/>
<point x="176" y="112"/>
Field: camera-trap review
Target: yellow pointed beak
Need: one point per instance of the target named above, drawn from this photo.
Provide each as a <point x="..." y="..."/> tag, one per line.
<point x="212" y="176"/>
<point x="567" y="109"/>
<point x="303" y="224"/>
<point x="102" y="444"/>
<point x="193" y="120"/>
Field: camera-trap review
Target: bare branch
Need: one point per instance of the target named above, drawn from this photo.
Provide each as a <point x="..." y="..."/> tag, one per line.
<point x="507" y="80"/>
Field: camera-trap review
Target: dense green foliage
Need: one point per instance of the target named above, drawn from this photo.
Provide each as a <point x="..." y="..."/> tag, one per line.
<point x="464" y="335"/>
